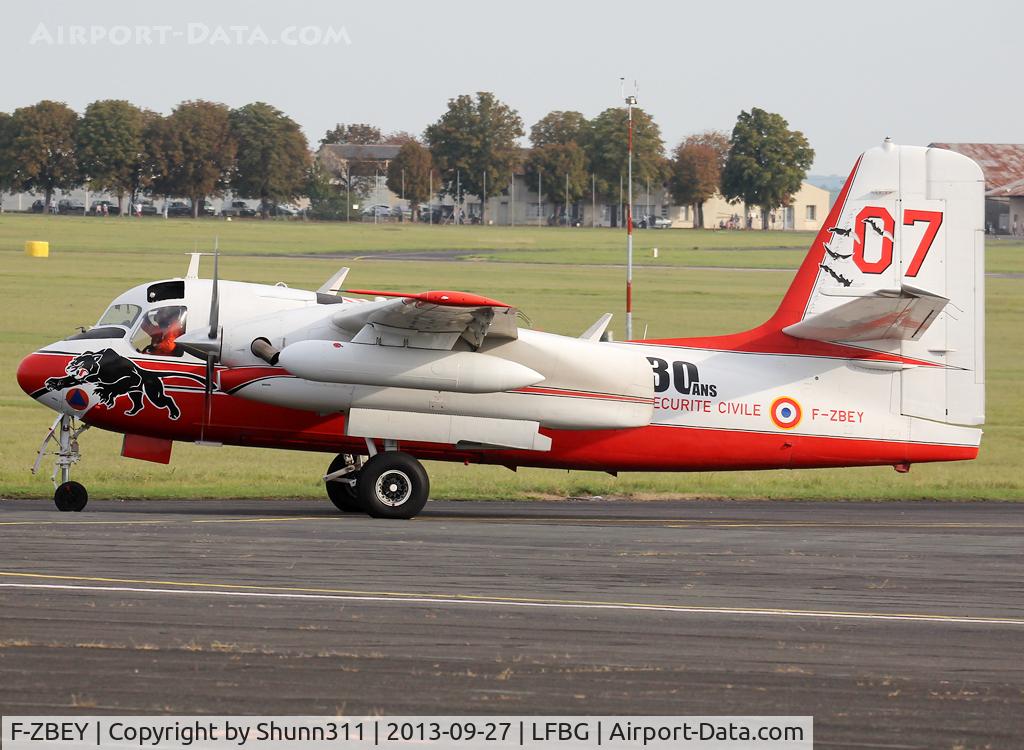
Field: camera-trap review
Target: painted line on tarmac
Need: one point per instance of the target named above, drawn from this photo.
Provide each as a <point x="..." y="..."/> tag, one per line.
<point x="165" y="522"/>
<point x="671" y="523"/>
<point x="344" y="595"/>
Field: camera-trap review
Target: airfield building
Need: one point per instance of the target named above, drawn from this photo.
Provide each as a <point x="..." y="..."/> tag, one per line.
<point x="1003" y="165"/>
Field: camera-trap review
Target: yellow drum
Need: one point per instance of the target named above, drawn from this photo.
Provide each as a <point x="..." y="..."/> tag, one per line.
<point x="37" y="249"/>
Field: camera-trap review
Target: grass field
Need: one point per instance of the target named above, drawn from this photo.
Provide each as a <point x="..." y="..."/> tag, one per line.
<point x="677" y="247"/>
<point x="94" y="259"/>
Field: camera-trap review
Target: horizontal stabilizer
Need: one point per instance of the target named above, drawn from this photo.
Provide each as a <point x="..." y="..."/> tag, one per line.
<point x="333" y="284"/>
<point x="902" y="315"/>
<point x="596" y="331"/>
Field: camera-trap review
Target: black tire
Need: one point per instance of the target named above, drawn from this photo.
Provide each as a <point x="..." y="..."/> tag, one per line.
<point x="70" y="497"/>
<point x="393" y="485"/>
<point x="342" y="494"/>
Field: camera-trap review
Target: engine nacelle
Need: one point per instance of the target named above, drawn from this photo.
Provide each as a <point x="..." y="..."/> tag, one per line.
<point x="401" y="367"/>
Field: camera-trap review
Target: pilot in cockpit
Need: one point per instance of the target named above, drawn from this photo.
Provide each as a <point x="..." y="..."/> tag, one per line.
<point x="163" y="325"/>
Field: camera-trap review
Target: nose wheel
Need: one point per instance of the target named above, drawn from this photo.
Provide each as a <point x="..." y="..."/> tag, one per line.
<point x="68" y="496"/>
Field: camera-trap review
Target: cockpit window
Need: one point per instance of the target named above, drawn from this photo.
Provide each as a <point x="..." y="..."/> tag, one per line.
<point x="159" y="330"/>
<point x="120" y="315"/>
<point x="166" y="290"/>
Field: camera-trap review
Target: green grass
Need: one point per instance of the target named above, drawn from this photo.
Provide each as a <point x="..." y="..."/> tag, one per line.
<point x="677" y="247"/>
<point x="93" y="260"/>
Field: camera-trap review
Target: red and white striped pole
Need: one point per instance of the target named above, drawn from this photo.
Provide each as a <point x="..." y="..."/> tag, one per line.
<point x="630" y="101"/>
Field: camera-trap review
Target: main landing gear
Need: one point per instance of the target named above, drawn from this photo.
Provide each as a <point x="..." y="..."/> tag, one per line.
<point x="68" y="496"/>
<point x="390" y="484"/>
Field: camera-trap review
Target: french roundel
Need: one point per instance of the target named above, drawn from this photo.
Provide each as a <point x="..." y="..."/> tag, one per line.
<point x="77" y="399"/>
<point x="785" y="413"/>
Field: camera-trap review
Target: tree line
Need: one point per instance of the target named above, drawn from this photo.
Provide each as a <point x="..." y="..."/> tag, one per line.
<point x="203" y="148"/>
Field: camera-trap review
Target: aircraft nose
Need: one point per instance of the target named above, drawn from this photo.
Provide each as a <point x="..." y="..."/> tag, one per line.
<point x="33" y="372"/>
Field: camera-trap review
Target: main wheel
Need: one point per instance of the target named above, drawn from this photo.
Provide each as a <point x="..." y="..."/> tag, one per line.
<point x="393" y="485"/>
<point x="342" y="494"/>
<point x="70" y="497"/>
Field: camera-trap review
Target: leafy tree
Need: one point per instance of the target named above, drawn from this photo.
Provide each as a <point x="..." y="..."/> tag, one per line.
<point x="552" y="163"/>
<point x="400" y="138"/>
<point x="273" y="156"/>
<point x="328" y="200"/>
<point x="357" y="132"/>
<point x="696" y="170"/>
<point x="164" y="152"/>
<point x="110" y="147"/>
<point x="6" y="168"/>
<point x="194" y="151"/>
<point x="560" y="127"/>
<point x="42" y="149"/>
<point x="767" y="161"/>
<point x="608" y="150"/>
<point x="476" y="136"/>
<point x="412" y="169"/>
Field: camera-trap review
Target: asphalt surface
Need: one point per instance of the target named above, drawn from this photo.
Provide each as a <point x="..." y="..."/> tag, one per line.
<point x="897" y="625"/>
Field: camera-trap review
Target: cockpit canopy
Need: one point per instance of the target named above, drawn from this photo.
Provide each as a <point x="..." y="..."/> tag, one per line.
<point x="142" y="313"/>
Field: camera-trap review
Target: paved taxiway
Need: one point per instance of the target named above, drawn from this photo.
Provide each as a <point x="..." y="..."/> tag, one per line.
<point x="895" y="625"/>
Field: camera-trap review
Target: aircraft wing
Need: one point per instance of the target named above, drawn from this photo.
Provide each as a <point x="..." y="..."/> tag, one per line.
<point x="427" y="320"/>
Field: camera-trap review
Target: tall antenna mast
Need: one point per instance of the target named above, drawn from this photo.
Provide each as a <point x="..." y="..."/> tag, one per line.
<point x="630" y="102"/>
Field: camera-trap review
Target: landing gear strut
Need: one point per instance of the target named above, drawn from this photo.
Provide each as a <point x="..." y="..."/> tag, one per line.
<point x="68" y="495"/>
<point x="391" y="484"/>
<point x="340" y="480"/>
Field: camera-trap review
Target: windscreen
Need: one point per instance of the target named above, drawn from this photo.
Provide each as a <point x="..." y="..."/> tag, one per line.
<point x="120" y="315"/>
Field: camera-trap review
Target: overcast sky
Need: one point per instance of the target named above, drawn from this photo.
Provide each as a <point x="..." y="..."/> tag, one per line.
<point x="846" y="74"/>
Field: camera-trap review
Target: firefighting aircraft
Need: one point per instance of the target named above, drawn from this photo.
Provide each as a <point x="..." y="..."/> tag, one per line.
<point x="874" y="357"/>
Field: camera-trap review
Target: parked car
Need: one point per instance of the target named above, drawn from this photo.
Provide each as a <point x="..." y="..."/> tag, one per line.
<point x="37" y="207"/>
<point x="148" y="208"/>
<point x="653" y="222"/>
<point x="179" y="208"/>
<point x="238" y="208"/>
<point x="68" y="206"/>
<point x="97" y="208"/>
<point x="431" y="214"/>
<point x="285" y="209"/>
<point x="379" y="210"/>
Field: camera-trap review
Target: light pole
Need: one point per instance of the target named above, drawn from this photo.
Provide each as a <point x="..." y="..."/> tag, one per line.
<point x="630" y="101"/>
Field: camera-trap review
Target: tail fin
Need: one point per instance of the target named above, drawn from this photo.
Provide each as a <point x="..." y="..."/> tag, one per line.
<point x="898" y="267"/>
<point x="894" y="280"/>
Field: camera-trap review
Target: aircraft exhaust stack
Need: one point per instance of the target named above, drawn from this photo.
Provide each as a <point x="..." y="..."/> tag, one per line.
<point x="263" y="349"/>
<point x="402" y="367"/>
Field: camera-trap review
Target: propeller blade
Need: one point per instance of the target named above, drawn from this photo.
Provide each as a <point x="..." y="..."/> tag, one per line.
<point x="208" y="393"/>
<point x="215" y="294"/>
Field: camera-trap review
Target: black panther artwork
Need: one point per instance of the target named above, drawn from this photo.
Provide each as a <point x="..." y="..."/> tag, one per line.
<point x="114" y="376"/>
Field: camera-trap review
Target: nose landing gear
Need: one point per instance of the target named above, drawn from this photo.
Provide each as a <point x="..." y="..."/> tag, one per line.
<point x="68" y="495"/>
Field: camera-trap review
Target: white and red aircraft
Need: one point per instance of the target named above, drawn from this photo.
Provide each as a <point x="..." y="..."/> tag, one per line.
<point x="875" y="356"/>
